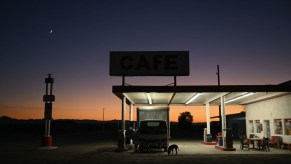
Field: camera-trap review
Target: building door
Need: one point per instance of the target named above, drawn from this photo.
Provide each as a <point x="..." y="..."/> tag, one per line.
<point x="267" y="128"/>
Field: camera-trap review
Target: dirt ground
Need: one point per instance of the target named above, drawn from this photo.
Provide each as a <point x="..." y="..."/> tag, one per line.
<point x="98" y="148"/>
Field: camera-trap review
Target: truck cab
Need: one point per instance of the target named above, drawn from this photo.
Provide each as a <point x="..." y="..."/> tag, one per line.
<point x="153" y="134"/>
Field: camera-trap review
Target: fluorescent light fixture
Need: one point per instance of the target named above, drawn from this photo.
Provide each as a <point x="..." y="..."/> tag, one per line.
<point x="127" y="97"/>
<point x="193" y="98"/>
<point x="239" y="97"/>
<point x="149" y="98"/>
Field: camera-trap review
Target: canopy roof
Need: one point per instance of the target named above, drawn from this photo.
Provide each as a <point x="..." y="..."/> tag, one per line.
<point x="199" y="95"/>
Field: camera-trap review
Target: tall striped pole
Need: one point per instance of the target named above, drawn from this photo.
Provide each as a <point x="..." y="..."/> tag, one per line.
<point x="48" y="98"/>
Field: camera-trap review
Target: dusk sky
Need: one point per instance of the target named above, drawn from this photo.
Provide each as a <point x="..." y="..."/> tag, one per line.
<point x="72" y="40"/>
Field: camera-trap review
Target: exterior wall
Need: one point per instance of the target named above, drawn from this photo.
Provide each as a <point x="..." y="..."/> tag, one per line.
<point x="277" y="108"/>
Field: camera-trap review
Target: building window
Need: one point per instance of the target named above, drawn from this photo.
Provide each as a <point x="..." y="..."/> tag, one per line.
<point x="288" y="126"/>
<point x="278" y="126"/>
<point x="258" y="126"/>
<point x="251" y="126"/>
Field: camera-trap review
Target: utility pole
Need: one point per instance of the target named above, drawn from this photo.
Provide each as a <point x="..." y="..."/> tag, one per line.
<point x="219" y="107"/>
<point x="218" y="75"/>
<point x="103" y="119"/>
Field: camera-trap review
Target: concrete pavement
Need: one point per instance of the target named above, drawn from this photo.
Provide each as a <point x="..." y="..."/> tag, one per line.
<point x="90" y="150"/>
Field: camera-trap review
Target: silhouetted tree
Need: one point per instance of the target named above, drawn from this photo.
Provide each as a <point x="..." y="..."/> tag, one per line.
<point x="185" y="119"/>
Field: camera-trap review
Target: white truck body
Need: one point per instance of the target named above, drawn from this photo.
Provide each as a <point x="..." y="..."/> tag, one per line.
<point x="153" y="127"/>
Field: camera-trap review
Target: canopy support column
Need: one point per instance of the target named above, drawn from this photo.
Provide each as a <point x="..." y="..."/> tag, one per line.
<point x="208" y="118"/>
<point x="131" y="121"/>
<point x="123" y="112"/>
<point x="131" y="114"/>
<point x="121" y="133"/>
<point x="223" y="119"/>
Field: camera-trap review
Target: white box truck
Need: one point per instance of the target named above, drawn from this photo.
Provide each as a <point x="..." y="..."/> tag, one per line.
<point x="153" y="127"/>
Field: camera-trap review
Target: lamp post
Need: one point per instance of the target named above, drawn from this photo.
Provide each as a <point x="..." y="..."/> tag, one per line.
<point x="103" y="120"/>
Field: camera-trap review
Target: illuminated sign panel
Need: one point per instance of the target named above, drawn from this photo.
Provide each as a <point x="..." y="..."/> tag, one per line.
<point x="149" y="63"/>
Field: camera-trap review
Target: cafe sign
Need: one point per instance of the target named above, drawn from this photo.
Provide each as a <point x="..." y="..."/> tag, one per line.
<point x="149" y="63"/>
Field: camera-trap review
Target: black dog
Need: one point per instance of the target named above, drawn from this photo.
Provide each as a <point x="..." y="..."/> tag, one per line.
<point x="171" y="149"/>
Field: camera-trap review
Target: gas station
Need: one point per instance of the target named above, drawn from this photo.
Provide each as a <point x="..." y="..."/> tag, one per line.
<point x="267" y="114"/>
<point x="265" y="105"/>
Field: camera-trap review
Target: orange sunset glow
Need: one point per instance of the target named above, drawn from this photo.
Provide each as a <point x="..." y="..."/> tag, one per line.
<point x="80" y="111"/>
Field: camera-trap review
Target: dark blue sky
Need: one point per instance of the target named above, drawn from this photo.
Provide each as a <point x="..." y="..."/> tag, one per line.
<point x="249" y="39"/>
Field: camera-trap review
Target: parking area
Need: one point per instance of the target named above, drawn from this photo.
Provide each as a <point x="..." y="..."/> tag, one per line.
<point x="71" y="149"/>
<point x="188" y="147"/>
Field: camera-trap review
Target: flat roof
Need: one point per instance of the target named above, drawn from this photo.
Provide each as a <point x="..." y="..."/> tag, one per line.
<point x="199" y="95"/>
